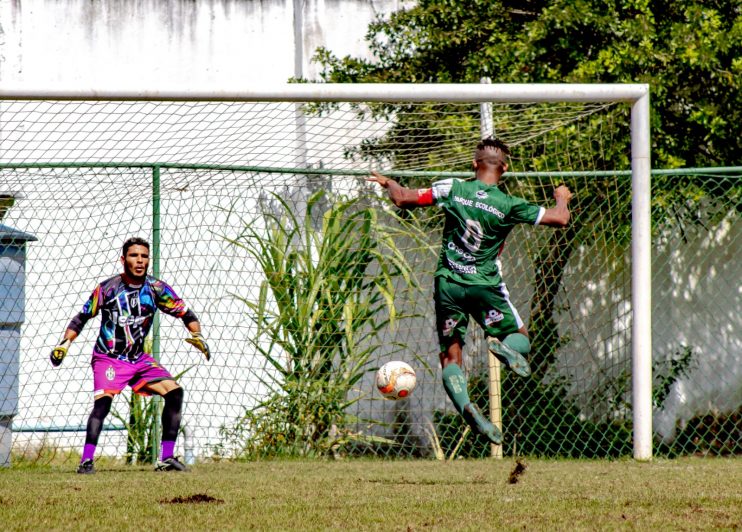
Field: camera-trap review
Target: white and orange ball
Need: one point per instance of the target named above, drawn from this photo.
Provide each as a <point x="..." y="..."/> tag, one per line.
<point x="396" y="380"/>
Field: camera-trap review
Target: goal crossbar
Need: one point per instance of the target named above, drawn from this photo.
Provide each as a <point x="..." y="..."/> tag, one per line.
<point x="361" y="92"/>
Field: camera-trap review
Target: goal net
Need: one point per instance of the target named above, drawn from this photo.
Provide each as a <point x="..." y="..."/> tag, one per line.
<point x="305" y="278"/>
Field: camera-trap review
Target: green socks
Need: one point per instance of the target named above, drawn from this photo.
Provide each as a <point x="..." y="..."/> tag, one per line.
<point x="454" y="383"/>
<point x="518" y="342"/>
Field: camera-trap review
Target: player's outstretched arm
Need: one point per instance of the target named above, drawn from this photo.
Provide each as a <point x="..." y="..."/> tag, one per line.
<point x="558" y="216"/>
<point x="402" y="197"/>
<point x="60" y="350"/>
<point x="197" y="340"/>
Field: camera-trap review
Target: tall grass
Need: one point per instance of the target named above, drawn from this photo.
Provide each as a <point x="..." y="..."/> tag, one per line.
<point x="327" y="295"/>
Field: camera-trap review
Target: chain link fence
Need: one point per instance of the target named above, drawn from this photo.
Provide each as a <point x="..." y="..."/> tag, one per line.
<point x="256" y="398"/>
<point x="577" y="403"/>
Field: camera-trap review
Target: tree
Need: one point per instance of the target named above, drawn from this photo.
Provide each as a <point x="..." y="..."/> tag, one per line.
<point x="689" y="52"/>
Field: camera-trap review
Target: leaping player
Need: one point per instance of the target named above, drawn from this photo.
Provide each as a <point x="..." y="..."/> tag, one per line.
<point x="127" y="303"/>
<point x="478" y="219"/>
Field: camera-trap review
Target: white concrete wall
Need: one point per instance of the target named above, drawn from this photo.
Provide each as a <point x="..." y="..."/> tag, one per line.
<point x="124" y="43"/>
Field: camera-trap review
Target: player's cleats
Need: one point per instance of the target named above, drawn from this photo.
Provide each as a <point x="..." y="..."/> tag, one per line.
<point x="510" y="357"/>
<point x="59" y="352"/>
<point x="197" y="341"/>
<point x="481" y="425"/>
<point x="86" y="467"/>
<point x="170" y="464"/>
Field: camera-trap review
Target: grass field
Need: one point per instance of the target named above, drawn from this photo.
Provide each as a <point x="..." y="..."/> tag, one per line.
<point x="681" y="494"/>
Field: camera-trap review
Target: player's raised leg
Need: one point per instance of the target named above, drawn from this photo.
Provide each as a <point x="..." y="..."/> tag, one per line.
<point x="511" y="351"/>
<point x="507" y="337"/>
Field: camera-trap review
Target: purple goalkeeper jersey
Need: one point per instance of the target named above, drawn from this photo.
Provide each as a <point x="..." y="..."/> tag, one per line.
<point x="127" y="313"/>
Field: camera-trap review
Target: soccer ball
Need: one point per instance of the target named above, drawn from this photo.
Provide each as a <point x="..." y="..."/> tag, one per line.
<point x="395" y="380"/>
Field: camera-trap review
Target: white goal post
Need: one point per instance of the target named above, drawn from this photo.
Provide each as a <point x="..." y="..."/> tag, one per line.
<point x="636" y="95"/>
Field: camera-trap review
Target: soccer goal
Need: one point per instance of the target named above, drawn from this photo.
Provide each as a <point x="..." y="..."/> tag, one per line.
<point x="306" y="279"/>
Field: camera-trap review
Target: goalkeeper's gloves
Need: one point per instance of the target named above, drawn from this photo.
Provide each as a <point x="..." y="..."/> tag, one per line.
<point x="60" y="351"/>
<point x="199" y="343"/>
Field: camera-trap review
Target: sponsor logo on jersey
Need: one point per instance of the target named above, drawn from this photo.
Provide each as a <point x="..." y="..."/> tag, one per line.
<point x="479" y="205"/>
<point x="464" y="254"/>
<point x="464" y="201"/>
<point x="490" y="209"/>
<point x="461" y="268"/>
<point x="110" y="373"/>
<point x="123" y="321"/>
<point x="493" y="316"/>
<point x="449" y="326"/>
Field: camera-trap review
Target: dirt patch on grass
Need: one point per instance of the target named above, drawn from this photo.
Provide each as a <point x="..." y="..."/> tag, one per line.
<point x="517" y="472"/>
<point x="198" y="498"/>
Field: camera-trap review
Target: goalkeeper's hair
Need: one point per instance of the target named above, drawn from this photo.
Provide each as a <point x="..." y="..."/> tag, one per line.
<point x="133" y="241"/>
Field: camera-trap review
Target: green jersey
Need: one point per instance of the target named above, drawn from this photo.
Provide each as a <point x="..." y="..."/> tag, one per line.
<point x="479" y="218"/>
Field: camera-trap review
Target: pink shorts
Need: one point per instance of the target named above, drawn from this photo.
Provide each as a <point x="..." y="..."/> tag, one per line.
<point x="111" y="375"/>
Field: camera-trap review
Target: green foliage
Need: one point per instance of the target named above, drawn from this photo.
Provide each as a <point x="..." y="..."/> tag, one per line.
<point x="328" y="294"/>
<point x="688" y="51"/>
<point x="666" y="372"/>
<point x="710" y="434"/>
<point x="306" y="418"/>
<point x="681" y="202"/>
<point x="695" y="95"/>
<point x="6" y="203"/>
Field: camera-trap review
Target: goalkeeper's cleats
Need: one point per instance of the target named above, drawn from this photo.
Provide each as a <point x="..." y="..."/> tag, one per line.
<point x="481" y="425"/>
<point x="59" y="352"/>
<point x="86" y="467"/>
<point x="509" y="357"/>
<point x="199" y="343"/>
<point x="170" y="464"/>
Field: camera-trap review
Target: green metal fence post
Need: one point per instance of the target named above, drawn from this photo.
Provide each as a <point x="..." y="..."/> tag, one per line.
<point x="155" y="258"/>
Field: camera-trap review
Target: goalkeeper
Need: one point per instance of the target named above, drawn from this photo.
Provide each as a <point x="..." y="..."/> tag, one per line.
<point x="468" y="281"/>
<point x="127" y="303"/>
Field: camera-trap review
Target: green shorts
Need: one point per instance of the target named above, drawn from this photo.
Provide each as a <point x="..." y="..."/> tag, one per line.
<point x="490" y="307"/>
